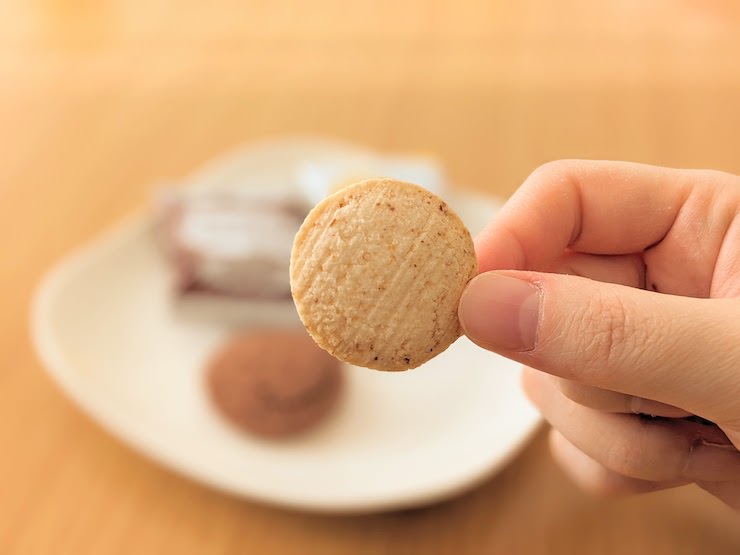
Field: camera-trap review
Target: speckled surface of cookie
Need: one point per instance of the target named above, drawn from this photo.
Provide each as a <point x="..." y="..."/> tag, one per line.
<point x="377" y="270"/>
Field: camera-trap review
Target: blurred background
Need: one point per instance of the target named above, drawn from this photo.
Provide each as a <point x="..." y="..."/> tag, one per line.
<point x="101" y="99"/>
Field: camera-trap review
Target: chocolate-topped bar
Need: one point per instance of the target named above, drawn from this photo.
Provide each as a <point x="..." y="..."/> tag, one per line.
<point x="230" y="243"/>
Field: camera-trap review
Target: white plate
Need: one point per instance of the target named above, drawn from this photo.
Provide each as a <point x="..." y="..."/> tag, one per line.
<point x="104" y="326"/>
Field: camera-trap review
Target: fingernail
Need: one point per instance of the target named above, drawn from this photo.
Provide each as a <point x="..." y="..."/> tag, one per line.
<point x="500" y="312"/>
<point x="725" y="446"/>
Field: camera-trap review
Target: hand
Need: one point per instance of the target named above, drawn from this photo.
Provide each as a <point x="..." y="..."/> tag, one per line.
<point x="620" y="284"/>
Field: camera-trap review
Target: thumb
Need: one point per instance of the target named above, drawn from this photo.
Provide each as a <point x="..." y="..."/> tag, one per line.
<point x="678" y="350"/>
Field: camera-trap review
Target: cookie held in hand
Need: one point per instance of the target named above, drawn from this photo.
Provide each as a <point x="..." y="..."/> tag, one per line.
<point x="376" y="273"/>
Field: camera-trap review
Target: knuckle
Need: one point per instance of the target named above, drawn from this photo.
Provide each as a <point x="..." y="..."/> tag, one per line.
<point x="609" y="337"/>
<point x="553" y="171"/>
<point x="712" y="176"/>
<point x="606" y="318"/>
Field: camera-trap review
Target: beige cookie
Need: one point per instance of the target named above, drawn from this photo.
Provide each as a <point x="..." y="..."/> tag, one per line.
<point x="376" y="272"/>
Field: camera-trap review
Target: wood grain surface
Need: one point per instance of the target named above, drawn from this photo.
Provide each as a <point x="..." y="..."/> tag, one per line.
<point x="102" y="99"/>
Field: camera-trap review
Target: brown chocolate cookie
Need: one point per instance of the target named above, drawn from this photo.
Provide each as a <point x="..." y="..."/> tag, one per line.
<point x="274" y="383"/>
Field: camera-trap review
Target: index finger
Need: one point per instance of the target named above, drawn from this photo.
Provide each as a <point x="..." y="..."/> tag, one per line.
<point x="595" y="207"/>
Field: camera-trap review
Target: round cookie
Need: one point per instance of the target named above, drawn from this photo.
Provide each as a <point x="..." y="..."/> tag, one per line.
<point x="274" y="383"/>
<point x="376" y="273"/>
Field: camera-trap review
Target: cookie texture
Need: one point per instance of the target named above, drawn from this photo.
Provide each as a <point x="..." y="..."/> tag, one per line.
<point x="376" y="272"/>
<point x="274" y="383"/>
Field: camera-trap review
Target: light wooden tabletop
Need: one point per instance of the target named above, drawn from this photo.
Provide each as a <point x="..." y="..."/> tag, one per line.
<point x="101" y="99"/>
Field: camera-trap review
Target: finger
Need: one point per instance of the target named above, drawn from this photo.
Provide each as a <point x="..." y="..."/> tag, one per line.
<point x="593" y="477"/>
<point x="628" y="269"/>
<point x="612" y="401"/>
<point x="655" y="450"/>
<point x="673" y="218"/>
<point x="727" y="492"/>
<point x="590" y="206"/>
<point x="677" y="350"/>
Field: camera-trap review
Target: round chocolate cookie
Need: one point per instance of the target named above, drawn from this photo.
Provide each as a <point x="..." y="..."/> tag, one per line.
<point x="274" y="383"/>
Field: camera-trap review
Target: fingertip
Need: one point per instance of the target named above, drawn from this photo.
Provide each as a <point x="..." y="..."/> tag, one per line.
<point x="592" y="477"/>
<point x="498" y="248"/>
<point x="585" y="472"/>
<point x="532" y="382"/>
<point x="500" y="312"/>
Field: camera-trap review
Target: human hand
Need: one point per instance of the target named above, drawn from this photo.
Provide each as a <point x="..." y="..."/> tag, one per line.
<point x="620" y="284"/>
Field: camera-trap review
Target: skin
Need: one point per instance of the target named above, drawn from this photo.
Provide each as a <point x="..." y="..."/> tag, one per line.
<point x="636" y="311"/>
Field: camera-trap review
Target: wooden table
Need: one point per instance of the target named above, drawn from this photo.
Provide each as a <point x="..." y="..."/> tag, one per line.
<point x="101" y="99"/>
